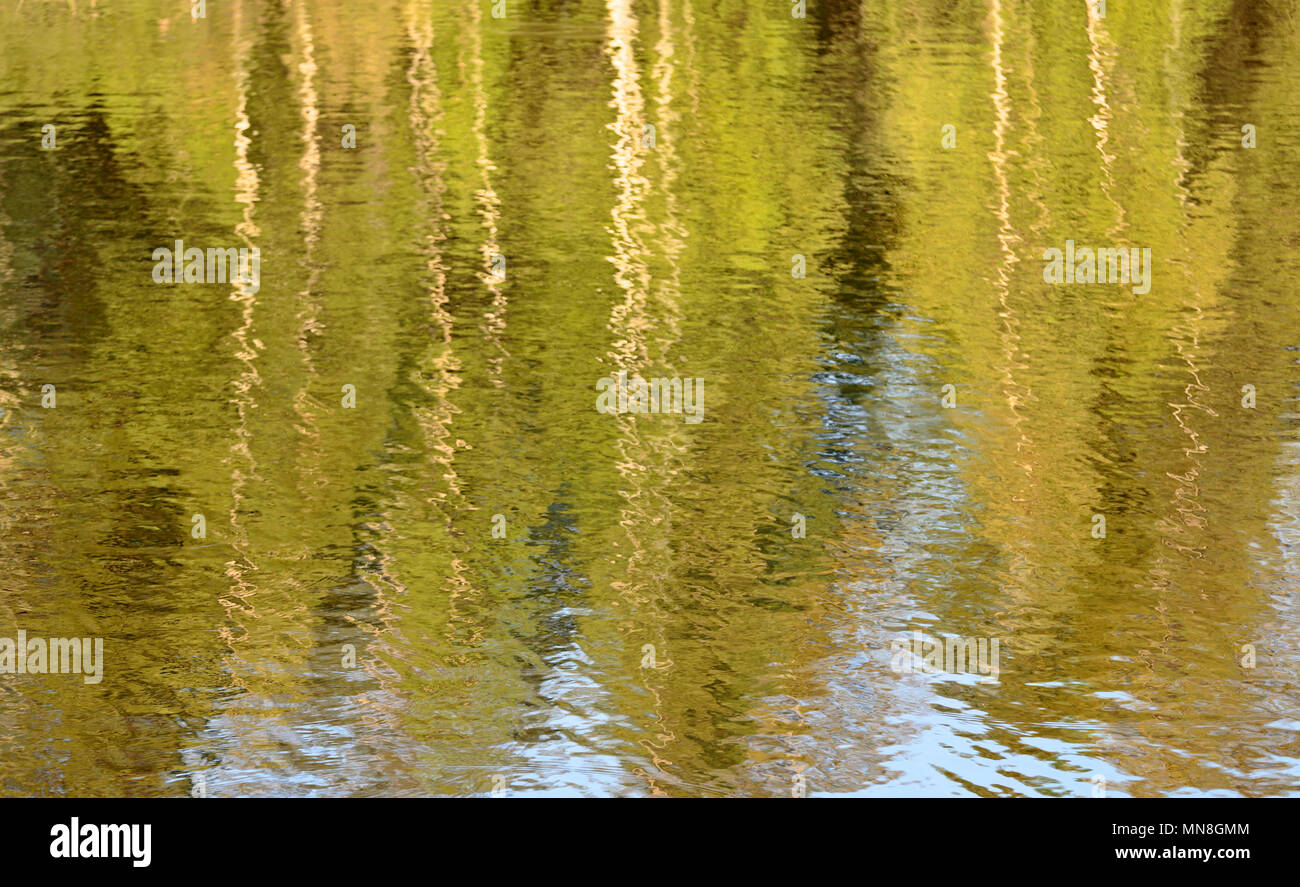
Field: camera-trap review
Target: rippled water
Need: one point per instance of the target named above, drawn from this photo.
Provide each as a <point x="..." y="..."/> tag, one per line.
<point x="652" y="622"/>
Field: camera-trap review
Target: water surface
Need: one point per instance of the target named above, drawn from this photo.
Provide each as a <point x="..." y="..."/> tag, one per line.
<point x="651" y="623"/>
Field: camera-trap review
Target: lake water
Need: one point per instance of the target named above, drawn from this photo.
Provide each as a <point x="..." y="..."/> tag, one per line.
<point x="354" y="525"/>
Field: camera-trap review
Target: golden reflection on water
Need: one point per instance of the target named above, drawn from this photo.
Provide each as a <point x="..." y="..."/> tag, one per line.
<point x="645" y="620"/>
